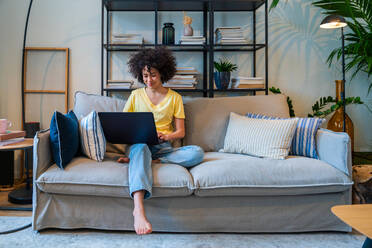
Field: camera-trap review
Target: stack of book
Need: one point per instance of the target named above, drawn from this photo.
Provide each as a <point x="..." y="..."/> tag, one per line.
<point x="230" y="35"/>
<point x="11" y="137"/>
<point x="248" y="83"/>
<point x="185" y="78"/>
<point x="192" y="40"/>
<point x="119" y="84"/>
<point x="127" y="39"/>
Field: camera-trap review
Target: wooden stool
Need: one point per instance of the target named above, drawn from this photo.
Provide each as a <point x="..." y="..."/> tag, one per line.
<point x="362" y="188"/>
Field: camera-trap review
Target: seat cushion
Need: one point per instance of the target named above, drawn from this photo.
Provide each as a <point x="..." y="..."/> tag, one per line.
<point x="84" y="176"/>
<point x="226" y="174"/>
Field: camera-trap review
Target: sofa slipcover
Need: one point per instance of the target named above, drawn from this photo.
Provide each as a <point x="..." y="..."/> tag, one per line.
<point x="84" y="176"/>
<point x="227" y="174"/>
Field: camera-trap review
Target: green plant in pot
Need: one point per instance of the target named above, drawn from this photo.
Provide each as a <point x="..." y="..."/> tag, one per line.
<point x="223" y="73"/>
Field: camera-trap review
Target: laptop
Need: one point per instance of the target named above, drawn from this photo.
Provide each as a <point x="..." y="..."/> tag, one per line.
<point x="129" y="127"/>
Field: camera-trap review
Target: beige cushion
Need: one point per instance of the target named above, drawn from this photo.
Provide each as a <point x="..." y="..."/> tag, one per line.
<point x="85" y="103"/>
<point x="259" y="137"/>
<point x="224" y="174"/>
<point x="207" y="118"/>
<point x="84" y="176"/>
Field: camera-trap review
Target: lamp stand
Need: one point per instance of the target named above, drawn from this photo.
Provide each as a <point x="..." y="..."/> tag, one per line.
<point x="343" y="99"/>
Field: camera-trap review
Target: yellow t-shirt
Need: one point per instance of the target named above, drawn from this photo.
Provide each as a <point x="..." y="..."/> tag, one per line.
<point x="164" y="112"/>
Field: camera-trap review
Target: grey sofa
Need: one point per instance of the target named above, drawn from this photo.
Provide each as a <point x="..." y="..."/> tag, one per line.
<point x="225" y="193"/>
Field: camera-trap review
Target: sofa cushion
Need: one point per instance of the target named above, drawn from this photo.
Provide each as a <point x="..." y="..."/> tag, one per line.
<point x="64" y="137"/>
<point x="84" y="176"/>
<point x="92" y="138"/>
<point x="259" y="137"/>
<point x="303" y="143"/>
<point x="207" y="118"/>
<point x="86" y="103"/>
<point x="223" y="174"/>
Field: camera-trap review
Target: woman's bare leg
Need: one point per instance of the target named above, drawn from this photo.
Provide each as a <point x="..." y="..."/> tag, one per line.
<point x="141" y="224"/>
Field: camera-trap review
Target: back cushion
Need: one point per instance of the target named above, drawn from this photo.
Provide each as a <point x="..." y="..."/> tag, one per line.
<point x="86" y="103"/>
<point x="207" y="118"/>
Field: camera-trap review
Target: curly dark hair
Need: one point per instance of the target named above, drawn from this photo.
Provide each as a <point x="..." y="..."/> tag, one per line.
<point x="159" y="58"/>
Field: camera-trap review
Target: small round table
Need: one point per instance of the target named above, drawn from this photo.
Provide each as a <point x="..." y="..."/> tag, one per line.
<point x="21" y="195"/>
<point x="359" y="217"/>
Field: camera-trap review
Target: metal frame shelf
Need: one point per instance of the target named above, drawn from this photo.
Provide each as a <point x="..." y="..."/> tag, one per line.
<point x="208" y="8"/>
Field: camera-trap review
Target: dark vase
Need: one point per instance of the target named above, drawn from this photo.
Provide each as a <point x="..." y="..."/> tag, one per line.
<point x="168" y="34"/>
<point x="222" y="79"/>
<point x="336" y="123"/>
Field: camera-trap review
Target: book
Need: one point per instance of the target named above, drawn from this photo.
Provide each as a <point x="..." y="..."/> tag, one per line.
<point x="12" y="134"/>
<point x="192" y="37"/>
<point x="182" y="81"/>
<point x="191" y="42"/>
<point x="183" y="77"/>
<point x="171" y="85"/>
<point x="126" y="35"/>
<point x="250" y="86"/>
<point x="240" y="41"/>
<point x="249" y="80"/>
<point x="127" y="39"/>
<point x="11" y="141"/>
<point x="118" y="86"/>
<point x="186" y="70"/>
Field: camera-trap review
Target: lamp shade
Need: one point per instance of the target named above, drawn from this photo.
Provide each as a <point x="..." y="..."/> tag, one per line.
<point x="333" y="21"/>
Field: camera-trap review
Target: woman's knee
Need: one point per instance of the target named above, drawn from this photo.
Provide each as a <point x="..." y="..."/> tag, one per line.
<point x="140" y="148"/>
<point x="196" y="156"/>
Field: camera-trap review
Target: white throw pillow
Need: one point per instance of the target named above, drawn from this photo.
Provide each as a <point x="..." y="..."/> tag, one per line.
<point x="259" y="137"/>
<point x="93" y="142"/>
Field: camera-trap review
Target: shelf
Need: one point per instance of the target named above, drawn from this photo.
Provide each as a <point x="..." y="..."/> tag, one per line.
<point x="186" y="48"/>
<point x="182" y="5"/>
<point x="207" y="50"/>
<point x="239" y="90"/>
<point x="237" y="47"/>
<point x="129" y="90"/>
<point x="135" y="47"/>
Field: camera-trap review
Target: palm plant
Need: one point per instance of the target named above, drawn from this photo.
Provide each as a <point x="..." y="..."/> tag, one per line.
<point x="358" y="49"/>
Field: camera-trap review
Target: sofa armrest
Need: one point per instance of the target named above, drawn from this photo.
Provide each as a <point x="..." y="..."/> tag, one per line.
<point x="335" y="149"/>
<point x="42" y="153"/>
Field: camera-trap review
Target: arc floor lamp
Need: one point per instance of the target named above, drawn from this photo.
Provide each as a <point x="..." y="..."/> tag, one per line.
<point x="332" y="22"/>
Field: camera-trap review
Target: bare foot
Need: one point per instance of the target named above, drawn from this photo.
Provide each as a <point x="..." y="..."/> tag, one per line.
<point x="123" y="160"/>
<point x="141" y="224"/>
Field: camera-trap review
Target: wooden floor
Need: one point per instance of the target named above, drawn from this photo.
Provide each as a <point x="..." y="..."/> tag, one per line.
<point x="4" y="203"/>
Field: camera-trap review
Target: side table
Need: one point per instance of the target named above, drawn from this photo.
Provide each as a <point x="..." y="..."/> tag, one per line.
<point x="21" y="195"/>
<point x="359" y="217"/>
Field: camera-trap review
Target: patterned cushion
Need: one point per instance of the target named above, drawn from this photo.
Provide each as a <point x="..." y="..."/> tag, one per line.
<point x="303" y="143"/>
<point x="259" y="137"/>
<point x="93" y="142"/>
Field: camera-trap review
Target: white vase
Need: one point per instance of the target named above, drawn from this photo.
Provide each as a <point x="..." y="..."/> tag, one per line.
<point x="188" y="31"/>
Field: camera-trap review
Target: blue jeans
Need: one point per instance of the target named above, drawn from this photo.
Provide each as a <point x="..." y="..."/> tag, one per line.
<point x="141" y="156"/>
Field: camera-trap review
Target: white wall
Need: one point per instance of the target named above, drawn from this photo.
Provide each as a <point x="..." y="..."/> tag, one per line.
<point x="297" y="52"/>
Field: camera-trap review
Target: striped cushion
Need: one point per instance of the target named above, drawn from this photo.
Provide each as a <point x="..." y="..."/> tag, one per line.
<point x="93" y="141"/>
<point x="259" y="137"/>
<point x="303" y="143"/>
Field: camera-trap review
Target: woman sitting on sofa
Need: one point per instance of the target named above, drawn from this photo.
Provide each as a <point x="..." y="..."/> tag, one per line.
<point x="153" y="67"/>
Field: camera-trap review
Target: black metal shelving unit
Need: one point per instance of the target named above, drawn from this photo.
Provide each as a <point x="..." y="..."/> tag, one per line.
<point x="208" y="8"/>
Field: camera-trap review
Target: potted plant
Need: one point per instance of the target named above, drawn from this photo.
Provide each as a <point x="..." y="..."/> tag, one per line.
<point x="223" y="73"/>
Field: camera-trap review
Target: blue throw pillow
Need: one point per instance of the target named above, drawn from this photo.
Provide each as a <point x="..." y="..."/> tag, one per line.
<point x="303" y="142"/>
<point x="64" y="137"/>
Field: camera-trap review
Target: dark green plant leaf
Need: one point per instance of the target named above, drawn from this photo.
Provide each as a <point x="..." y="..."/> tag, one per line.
<point x="224" y="66"/>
